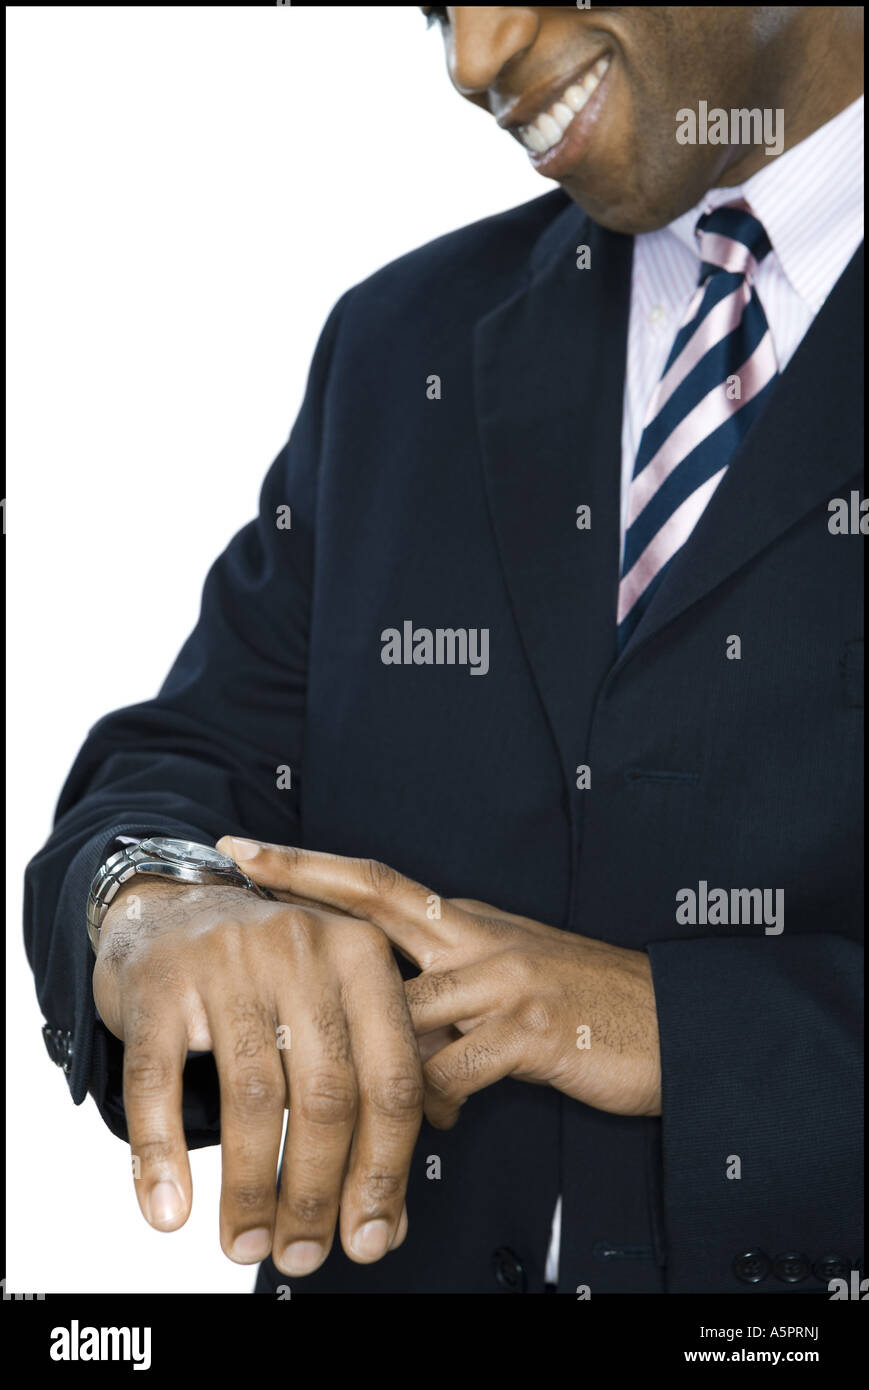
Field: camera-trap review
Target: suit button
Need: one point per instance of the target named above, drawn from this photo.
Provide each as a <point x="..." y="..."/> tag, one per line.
<point x="752" y="1266"/>
<point x="791" y="1267"/>
<point x="831" y="1267"/>
<point x="508" y="1270"/>
<point x="58" y="1045"/>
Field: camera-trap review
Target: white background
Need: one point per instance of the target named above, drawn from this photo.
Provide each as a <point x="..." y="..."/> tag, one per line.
<point x="190" y="190"/>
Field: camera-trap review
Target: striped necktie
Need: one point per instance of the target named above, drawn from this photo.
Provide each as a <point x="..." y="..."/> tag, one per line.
<point x="716" y="381"/>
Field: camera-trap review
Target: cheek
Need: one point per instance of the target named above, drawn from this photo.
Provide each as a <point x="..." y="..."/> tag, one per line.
<point x="641" y="151"/>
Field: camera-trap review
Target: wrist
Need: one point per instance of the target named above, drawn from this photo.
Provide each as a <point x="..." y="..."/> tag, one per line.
<point x="128" y="904"/>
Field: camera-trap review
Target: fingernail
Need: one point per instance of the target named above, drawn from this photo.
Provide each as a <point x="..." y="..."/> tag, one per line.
<point x="371" y="1240"/>
<point x="165" y="1204"/>
<point x="244" y="849"/>
<point x="301" y="1257"/>
<point x="252" y="1245"/>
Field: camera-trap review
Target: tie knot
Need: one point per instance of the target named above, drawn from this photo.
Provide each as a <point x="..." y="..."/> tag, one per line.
<point x="731" y="238"/>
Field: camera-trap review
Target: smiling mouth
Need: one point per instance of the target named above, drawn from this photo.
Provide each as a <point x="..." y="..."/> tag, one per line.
<point x="548" y="128"/>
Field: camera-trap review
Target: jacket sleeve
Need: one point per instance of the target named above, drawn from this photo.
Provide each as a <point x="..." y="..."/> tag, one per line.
<point x="199" y="761"/>
<point x="761" y="1059"/>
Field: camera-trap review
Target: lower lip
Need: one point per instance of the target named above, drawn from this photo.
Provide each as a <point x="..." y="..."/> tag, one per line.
<point x="563" y="158"/>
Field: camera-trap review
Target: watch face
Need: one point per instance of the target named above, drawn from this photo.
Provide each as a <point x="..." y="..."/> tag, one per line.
<point x="187" y="852"/>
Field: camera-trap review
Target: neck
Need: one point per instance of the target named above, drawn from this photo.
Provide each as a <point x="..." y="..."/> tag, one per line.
<point x="824" y="60"/>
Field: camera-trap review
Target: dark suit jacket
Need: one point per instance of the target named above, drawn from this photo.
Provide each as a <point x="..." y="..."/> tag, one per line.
<point x="461" y="512"/>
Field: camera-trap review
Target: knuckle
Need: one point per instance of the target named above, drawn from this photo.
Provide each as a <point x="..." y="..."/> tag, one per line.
<point x="155" y="1152"/>
<point x="398" y="1096"/>
<point x="327" y="1099"/>
<point x="248" y="1042"/>
<point x="299" y="928"/>
<point x="378" y="878"/>
<point x="230" y="935"/>
<point x="309" y="1209"/>
<point x="534" y="1017"/>
<point x="369" y="942"/>
<point x="440" y="1083"/>
<point x="523" y="969"/>
<point x="379" y="1187"/>
<point x="146" y="1075"/>
<point x="255" y="1091"/>
<point x="250" y="1197"/>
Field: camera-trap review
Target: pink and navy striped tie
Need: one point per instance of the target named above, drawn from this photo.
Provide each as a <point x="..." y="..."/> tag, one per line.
<point x="716" y="382"/>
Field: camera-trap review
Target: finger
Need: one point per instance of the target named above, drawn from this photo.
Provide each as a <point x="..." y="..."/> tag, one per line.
<point x="486" y="910"/>
<point x="430" y="1043"/>
<point x="416" y="920"/>
<point x="438" y="998"/>
<point x="155" y="1049"/>
<point x="323" y="1105"/>
<point x="485" y="1055"/>
<point x="252" y="1098"/>
<point x="389" y="1074"/>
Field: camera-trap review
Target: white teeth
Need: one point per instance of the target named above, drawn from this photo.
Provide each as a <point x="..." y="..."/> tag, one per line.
<point x="592" y="78"/>
<point x="533" y="139"/>
<point x="549" y="127"/>
<point x="576" y="97"/>
<point x="562" y="114"/>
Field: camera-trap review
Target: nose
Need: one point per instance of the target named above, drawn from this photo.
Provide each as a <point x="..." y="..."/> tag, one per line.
<point x="483" y="41"/>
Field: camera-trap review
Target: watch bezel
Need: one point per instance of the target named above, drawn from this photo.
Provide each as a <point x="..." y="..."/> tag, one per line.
<point x="162" y="850"/>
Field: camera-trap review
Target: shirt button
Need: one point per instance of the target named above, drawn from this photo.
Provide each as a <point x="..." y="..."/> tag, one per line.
<point x="791" y="1267"/>
<point x="508" y="1270"/>
<point x="752" y="1266"/>
<point x="657" y="315"/>
<point x="831" y="1267"/>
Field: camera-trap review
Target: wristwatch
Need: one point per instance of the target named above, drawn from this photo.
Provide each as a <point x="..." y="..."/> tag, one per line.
<point x="182" y="860"/>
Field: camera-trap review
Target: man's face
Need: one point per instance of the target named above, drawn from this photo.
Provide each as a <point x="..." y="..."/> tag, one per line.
<point x="594" y="93"/>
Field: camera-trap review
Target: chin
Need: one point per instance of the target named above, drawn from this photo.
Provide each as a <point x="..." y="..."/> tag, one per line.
<point x="617" y="217"/>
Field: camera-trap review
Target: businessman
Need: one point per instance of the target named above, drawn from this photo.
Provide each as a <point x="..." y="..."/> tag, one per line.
<point x="501" y="816"/>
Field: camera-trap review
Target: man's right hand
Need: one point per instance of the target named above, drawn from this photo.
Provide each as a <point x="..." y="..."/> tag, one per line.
<point x="300" y="1007"/>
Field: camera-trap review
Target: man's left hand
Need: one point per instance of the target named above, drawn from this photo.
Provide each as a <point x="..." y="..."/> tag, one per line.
<point x="518" y="998"/>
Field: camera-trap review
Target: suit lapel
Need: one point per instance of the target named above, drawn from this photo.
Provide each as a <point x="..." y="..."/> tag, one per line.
<point x="549" y="378"/>
<point x="800" y="450"/>
<point x="549" y="366"/>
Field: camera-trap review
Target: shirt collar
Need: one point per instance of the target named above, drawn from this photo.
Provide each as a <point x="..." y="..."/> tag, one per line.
<point x="810" y="201"/>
